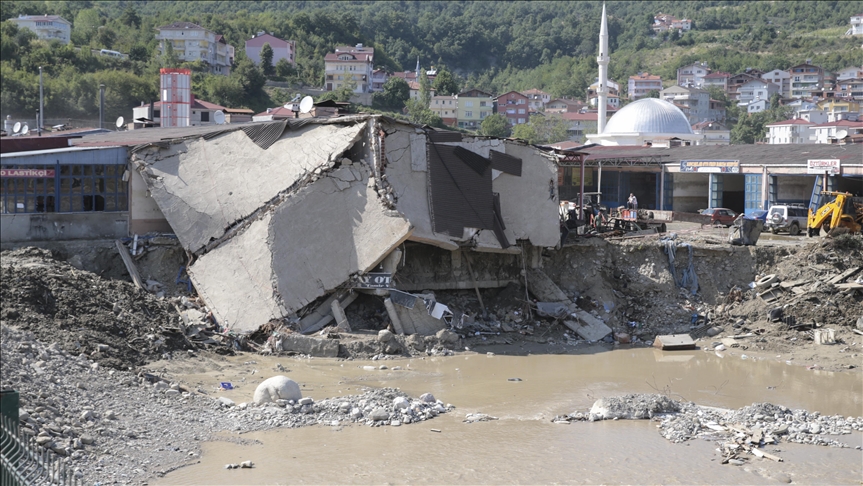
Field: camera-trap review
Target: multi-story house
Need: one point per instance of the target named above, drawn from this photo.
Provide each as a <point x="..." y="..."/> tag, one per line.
<point x="832" y="132"/>
<point x="473" y="106"/>
<point x="716" y="110"/>
<point x="349" y="63"/>
<point x="754" y="106"/>
<point x="446" y="107"/>
<point x="663" y="22"/>
<point x="853" y="72"/>
<point x="536" y="99"/>
<point x="191" y="42"/>
<point x="713" y="133"/>
<point x="693" y="74"/>
<point x="613" y="97"/>
<point x="735" y="82"/>
<point x="756" y="89"/>
<point x="282" y="49"/>
<point x="514" y="106"/>
<point x="696" y="101"/>
<point x="643" y="83"/>
<point x="46" y="27"/>
<point x="850" y="88"/>
<point x="795" y="130"/>
<point x="839" y="109"/>
<point x="563" y="105"/>
<point x="717" y="78"/>
<point x="806" y="78"/>
<point x="781" y="79"/>
<point x="414" y="90"/>
<point x="379" y="78"/>
<point x="856" y="25"/>
<point x="580" y="124"/>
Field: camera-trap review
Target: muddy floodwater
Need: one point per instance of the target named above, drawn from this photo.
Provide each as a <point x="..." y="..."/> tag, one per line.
<point x="524" y="446"/>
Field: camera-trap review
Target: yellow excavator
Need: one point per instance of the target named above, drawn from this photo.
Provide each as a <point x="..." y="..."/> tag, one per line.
<point x="842" y="211"/>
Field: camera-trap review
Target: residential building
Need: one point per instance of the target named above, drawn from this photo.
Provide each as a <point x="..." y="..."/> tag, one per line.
<point x="473" y="106"/>
<point x="414" y="90"/>
<point x="349" y="63"/>
<point x="853" y="72"/>
<point x="795" y="130"/>
<point x="693" y="74"/>
<point x="856" y="25"/>
<point x="850" y="88"/>
<point x="563" y="105"/>
<point x="694" y="102"/>
<point x="580" y="125"/>
<point x="754" y="106"/>
<point x="612" y="98"/>
<point x="735" y="82"/>
<point x="191" y="42"/>
<point x="514" y="106"/>
<point x="201" y="113"/>
<point x="832" y="132"/>
<point x="717" y="78"/>
<point x="713" y="133"/>
<point x="379" y="78"/>
<point x="716" y="111"/>
<point x="805" y="78"/>
<point x="756" y="89"/>
<point x="643" y="83"/>
<point x="282" y="49"/>
<point x="781" y="79"/>
<point x="446" y="107"/>
<point x="46" y="27"/>
<point x="663" y="22"/>
<point x="536" y="99"/>
<point x="839" y="109"/>
<point x="813" y="115"/>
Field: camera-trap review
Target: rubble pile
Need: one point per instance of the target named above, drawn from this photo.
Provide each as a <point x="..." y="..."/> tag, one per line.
<point x="112" y="321"/>
<point x="126" y="427"/>
<point x="748" y="429"/>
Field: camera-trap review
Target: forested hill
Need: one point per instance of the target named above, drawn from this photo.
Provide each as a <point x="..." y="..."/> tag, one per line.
<point x="495" y="46"/>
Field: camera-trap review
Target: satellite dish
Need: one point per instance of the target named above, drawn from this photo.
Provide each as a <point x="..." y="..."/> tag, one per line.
<point x="840" y="134"/>
<point x="120" y="121"/>
<point x="17" y="127"/>
<point x="25" y="129"/>
<point x="306" y="104"/>
<point x="219" y="117"/>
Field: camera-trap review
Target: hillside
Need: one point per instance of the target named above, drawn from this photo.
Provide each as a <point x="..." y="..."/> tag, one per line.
<point x="495" y="46"/>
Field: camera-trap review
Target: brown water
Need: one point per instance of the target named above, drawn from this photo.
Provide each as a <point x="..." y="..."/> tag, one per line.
<point x="524" y="447"/>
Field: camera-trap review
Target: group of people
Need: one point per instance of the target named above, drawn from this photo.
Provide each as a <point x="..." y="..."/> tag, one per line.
<point x="632" y="202"/>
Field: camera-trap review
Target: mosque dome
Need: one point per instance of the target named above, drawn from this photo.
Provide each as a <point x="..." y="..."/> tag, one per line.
<point x="649" y="115"/>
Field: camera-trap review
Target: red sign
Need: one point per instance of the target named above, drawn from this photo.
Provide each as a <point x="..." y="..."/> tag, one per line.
<point x="26" y="172"/>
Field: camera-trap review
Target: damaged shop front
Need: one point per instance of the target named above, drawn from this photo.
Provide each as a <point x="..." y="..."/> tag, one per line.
<point x="291" y="221"/>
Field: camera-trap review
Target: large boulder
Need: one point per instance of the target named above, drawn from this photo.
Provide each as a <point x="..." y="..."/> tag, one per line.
<point x="277" y="388"/>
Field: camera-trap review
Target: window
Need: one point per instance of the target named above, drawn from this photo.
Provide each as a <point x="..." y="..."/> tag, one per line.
<point x="205" y="116"/>
<point x="521" y="101"/>
<point x="468" y="104"/>
<point x="521" y="111"/>
<point x="468" y="113"/>
<point x="482" y="103"/>
<point x="63" y="188"/>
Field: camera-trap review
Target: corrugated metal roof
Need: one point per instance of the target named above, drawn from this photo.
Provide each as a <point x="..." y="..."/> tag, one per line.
<point x="796" y="154"/>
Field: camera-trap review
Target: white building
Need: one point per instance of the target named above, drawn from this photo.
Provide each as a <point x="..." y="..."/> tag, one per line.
<point x="795" y="130"/>
<point x="191" y="42"/>
<point x="712" y="133"/>
<point x="350" y="63"/>
<point x="781" y="79"/>
<point x="696" y="101"/>
<point x="830" y="132"/>
<point x="856" y="25"/>
<point x="282" y="49"/>
<point x="536" y="99"/>
<point x="755" y="90"/>
<point x="46" y="27"/>
<point x="693" y="74"/>
<point x="648" y="121"/>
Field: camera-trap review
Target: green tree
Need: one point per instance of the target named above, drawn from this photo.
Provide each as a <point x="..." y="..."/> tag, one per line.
<point x="526" y="132"/>
<point x="138" y="53"/>
<point x="394" y="95"/>
<point x="285" y="69"/>
<point x="495" y="126"/>
<point x="250" y="78"/>
<point x="267" y="60"/>
<point x="169" y="58"/>
<point x="344" y="93"/>
<point x="85" y="26"/>
<point x="424" y="96"/>
<point x="542" y="129"/>
<point x="105" y="38"/>
<point x="654" y="93"/>
<point x="445" y="83"/>
<point x="130" y="17"/>
<point x="421" y="115"/>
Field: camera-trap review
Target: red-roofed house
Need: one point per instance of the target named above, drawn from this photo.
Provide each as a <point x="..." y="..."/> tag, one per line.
<point x="562" y="105"/>
<point x="282" y="49"/>
<point x="717" y="78"/>
<point x="348" y="63"/>
<point x="795" y="130"/>
<point x="513" y="106"/>
<point x="829" y="132"/>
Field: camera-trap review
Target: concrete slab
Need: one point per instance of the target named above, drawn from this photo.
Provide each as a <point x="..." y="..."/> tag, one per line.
<point x="417" y="320"/>
<point x="320" y="348"/>
<point x="587" y="326"/>
<point x="543" y="288"/>
<point x="674" y="341"/>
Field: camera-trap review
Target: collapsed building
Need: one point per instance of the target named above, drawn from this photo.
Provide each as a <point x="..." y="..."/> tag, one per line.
<point x="289" y="220"/>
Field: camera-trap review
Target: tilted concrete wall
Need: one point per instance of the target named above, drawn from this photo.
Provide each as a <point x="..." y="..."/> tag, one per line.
<point x="205" y="186"/>
<point x="691" y="192"/>
<point x="63" y="226"/>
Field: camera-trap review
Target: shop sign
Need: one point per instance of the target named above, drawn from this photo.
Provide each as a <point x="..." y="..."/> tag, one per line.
<point x="18" y="173"/>
<point x="820" y="166"/>
<point x="708" y="166"/>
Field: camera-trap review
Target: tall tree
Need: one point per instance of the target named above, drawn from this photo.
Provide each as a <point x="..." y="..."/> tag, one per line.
<point x="130" y="17"/>
<point x="394" y="95"/>
<point x="267" y="60"/>
<point x="424" y="96"/>
<point x="445" y="83"/>
<point x="495" y="126"/>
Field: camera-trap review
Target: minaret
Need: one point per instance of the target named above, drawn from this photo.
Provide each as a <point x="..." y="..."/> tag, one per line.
<point x="418" y="69"/>
<point x="602" y="60"/>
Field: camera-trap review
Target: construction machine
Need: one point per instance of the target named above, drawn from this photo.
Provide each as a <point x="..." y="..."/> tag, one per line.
<point x="843" y="210"/>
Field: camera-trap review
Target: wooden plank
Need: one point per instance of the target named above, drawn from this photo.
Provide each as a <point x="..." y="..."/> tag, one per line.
<point x="130" y="264"/>
<point x="842" y="276"/>
<point x="674" y="341"/>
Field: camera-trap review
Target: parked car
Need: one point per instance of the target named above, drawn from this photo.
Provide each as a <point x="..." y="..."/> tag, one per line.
<point x="723" y="216"/>
<point x="790" y="218"/>
<point x="760" y="214"/>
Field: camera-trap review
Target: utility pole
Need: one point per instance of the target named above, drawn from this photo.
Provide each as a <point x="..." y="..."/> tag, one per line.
<point x="40" y="119"/>
<point x="101" y="105"/>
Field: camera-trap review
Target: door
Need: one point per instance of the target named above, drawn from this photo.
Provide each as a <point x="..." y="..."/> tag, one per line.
<point x="716" y="188"/>
<point x="752" y="193"/>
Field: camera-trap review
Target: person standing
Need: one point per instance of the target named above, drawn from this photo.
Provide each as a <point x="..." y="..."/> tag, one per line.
<point x="633" y="202"/>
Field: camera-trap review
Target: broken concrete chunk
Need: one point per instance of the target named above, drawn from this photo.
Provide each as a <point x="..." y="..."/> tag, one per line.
<point x="277" y="388"/>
